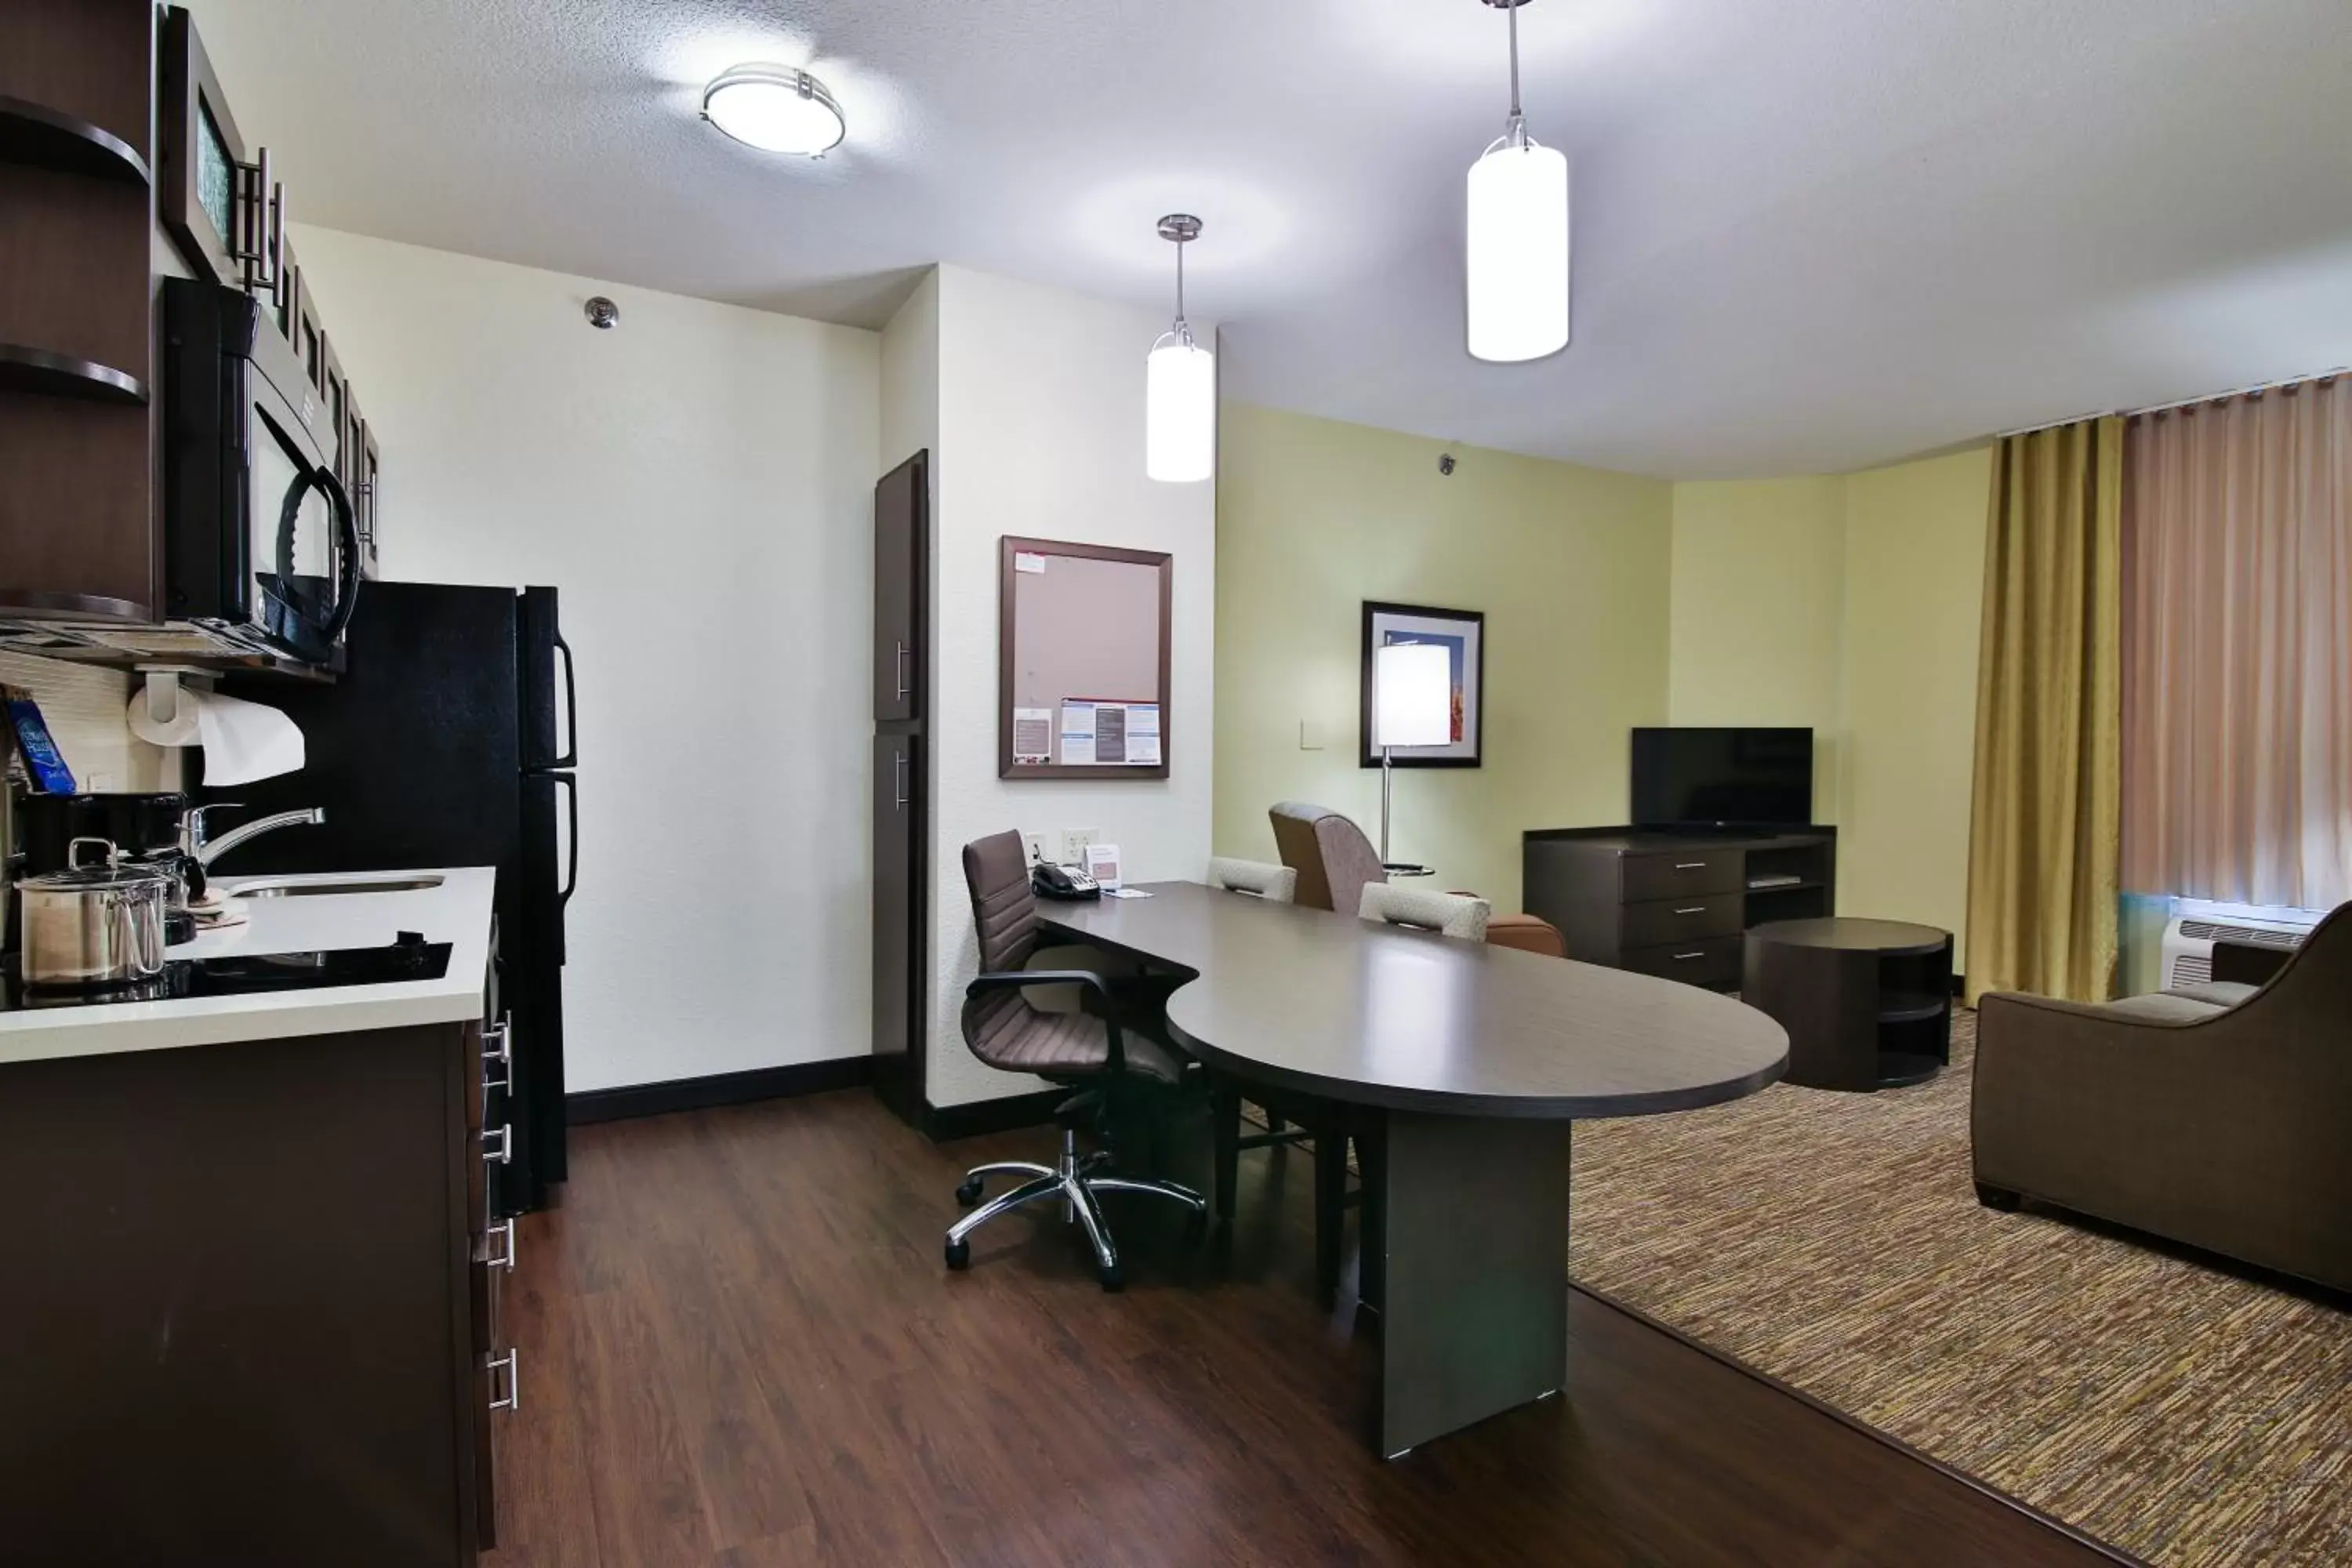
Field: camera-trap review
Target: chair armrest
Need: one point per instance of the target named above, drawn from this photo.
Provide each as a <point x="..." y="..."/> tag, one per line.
<point x="1086" y="979"/>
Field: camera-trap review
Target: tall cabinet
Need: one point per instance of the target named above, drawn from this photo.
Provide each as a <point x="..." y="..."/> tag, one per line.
<point x="900" y="781"/>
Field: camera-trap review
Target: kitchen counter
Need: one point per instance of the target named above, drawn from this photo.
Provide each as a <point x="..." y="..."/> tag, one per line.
<point x="458" y="912"/>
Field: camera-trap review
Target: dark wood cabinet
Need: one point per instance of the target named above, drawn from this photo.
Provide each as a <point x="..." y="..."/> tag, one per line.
<point x="901" y="783"/>
<point x="1673" y="904"/>
<point x="251" y="1313"/>
<point x="112" y="122"/>
<point x="77" y="350"/>
<point x="901" y="589"/>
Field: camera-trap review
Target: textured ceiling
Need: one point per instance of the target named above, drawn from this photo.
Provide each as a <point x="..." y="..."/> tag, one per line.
<point x="1811" y="235"/>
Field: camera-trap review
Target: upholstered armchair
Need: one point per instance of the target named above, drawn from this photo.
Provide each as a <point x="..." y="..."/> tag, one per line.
<point x="1335" y="862"/>
<point x="2221" y="1116"/>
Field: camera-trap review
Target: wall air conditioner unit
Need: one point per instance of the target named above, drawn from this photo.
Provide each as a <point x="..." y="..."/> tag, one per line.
<point x="2197" y="925"/>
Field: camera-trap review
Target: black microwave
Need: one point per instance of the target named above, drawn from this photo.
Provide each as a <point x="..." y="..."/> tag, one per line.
<point x="261" y="547"/>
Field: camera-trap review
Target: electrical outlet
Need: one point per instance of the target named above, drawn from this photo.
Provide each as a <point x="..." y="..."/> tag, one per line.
<point x="1074" y="844"/>
<point x="1036" y="843"/>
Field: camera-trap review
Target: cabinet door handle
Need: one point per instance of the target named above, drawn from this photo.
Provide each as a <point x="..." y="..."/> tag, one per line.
<point x="1690" y="864"/>
<point x="1682" y="956"/>
<point x="504" y="1154"/>
<point x="898" y="780"/>
<point x="497" y="1054"/>
<point x="1693" y="909"/>
<point x="899" y="666"/>
<point x="505" y="1256"/>
<point x="512" y="1398"/>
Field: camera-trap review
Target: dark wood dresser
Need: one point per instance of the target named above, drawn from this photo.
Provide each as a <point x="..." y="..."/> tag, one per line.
<point x="1670" y="903"/>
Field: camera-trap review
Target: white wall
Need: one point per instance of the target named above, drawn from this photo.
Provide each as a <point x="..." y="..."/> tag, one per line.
<point x="1041" y="434"/>
<point x="698" y="482"/>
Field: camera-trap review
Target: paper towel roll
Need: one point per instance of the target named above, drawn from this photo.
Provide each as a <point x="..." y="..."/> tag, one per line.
<point x="242" y="741"/>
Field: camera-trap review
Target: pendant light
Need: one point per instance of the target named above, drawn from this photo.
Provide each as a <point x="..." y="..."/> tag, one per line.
<point x="1517" y="303"/>
<point x="1179" y="385"/>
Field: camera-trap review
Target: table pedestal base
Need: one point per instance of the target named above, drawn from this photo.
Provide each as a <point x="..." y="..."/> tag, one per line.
<point x="1467" y="1256"/>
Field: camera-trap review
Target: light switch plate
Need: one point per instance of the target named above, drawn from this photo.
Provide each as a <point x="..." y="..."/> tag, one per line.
<point x="1074" y="844"/>
<point x="1311" y="737"/>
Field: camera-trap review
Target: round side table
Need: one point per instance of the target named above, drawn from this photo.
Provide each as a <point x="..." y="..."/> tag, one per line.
<point x="1868" y="1004"/>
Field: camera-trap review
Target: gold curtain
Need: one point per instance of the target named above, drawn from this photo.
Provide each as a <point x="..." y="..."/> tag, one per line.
<point x="2045" y="835"/>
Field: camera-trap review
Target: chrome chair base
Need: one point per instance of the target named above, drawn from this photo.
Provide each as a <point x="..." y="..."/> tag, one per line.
<point x="1076" y="1183"/>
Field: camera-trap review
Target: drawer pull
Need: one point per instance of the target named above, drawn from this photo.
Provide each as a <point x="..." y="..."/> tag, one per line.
<point x="1680" y="956"/>
<point x="504" y="1154"/>
<point x="505" y="1256"/>
<point x="1693" y="909"/>
<point x="512" y="1398"/>
<point x="1690" y="864"/>
<point x="497" y="1054"/>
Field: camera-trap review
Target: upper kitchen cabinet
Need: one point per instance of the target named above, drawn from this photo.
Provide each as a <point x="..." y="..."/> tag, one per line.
<point x="77" y="533"/>
<point x="140" y="506"/>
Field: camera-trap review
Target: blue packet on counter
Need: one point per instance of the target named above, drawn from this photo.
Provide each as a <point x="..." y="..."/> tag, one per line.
<point x="42" y="758"/>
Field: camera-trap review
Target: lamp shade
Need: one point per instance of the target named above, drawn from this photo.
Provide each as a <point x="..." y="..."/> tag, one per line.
<point x="1412" y="695"/>
<point x="1518" y="302"/>
<point x="1179" y="395"/>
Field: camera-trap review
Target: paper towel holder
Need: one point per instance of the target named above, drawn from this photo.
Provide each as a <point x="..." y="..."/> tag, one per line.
<point x="162" y="689"/>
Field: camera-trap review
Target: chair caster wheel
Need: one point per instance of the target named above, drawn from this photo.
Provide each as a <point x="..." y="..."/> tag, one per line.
<point x="969" y="1193"/>
<point x="959" y="1256"/>
<point x="1113" y="1280"/>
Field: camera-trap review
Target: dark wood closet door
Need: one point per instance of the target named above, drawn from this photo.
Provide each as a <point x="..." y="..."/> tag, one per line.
<point x="899" y="918"/>
<point x="902" y="505"/>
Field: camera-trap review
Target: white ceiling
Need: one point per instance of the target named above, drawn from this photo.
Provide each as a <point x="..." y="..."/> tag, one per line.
<point x="1811" y="235"/>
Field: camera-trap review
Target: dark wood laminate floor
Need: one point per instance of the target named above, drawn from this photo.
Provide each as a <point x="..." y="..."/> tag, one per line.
<point x="740" y="1347"/>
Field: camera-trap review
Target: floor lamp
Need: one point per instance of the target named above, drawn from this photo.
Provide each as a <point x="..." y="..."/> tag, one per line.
<point x="1413" y="705"/>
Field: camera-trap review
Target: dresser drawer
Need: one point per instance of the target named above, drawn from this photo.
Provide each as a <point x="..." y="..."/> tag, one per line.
<point x="1685" y="920"/>
<point x="1682" y="873"/>
<point x="1713" y="962"/>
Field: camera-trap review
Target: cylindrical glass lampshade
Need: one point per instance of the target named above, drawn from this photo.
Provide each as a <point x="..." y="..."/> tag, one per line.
<point x="1412" y="695"/>
<point x="1179" y="396"/>
<point x="1519" y="252"/>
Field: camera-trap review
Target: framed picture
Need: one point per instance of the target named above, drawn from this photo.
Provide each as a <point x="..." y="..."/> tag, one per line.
<point x="1462" y="634"/>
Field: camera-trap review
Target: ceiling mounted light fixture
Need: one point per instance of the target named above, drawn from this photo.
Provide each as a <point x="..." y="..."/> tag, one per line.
<point x="777" y="109"/>
<point x="1179" y="385"/>
<point x="1517" y="307"/>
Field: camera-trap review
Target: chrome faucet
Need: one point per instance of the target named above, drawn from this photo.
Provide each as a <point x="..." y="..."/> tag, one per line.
<point x="208" y="850"/>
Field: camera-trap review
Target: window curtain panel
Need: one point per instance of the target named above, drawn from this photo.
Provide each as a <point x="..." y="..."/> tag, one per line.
<point x="2045" y="837"/>
<point x="2238" y="650"/>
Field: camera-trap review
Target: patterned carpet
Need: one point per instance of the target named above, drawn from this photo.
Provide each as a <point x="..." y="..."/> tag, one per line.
<point x="1834" y="1241"/>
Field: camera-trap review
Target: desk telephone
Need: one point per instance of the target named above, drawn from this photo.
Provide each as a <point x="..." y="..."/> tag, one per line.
<point x="1051" y="881"/>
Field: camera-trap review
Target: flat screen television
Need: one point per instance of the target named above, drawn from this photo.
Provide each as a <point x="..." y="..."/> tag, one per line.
<point x="1723" y="778"/>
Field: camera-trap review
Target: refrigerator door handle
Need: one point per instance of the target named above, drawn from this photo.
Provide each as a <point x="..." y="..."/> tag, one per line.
<point x="571" y="871"/>
<point x="570" y="757"/>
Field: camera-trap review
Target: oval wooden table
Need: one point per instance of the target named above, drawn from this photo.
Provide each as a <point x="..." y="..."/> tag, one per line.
<point x="1465" y="1065"/>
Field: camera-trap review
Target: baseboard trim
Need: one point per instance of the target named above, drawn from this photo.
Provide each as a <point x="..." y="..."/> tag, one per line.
<point x="945" y="1123"/>
<point x="717" y="1089"/>
<point x="2113" y="1554"/>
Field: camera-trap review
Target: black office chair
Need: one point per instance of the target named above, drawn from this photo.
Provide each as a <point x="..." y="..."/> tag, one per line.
<point x="1086" y="1050"/>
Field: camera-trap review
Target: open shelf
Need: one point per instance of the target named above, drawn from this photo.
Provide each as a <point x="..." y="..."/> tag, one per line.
<point x="46" y="138"/>
<point x="1910" y="1006"/>
<point x="26" y="369"/>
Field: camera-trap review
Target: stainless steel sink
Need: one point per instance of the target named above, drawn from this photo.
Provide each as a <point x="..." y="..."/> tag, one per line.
<point x="305" y="888"/>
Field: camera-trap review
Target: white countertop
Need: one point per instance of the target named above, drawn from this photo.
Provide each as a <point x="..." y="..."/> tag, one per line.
<point x="458" y="912"/>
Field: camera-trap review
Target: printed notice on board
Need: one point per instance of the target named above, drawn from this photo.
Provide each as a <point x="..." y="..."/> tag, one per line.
<point x="1077" y="733"/>
<point x="1110" y="732"/>
<point x="1143" y="735"/>
<point x="1033" y="734"/>
<point x="1025" y="561"/>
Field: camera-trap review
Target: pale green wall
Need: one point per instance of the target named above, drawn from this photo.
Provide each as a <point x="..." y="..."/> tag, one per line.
<point x="1571" y="566"/>
<point x="1758" y="612"/>
<point x="1914" y="599"/>
<point x="1846" y="603"/>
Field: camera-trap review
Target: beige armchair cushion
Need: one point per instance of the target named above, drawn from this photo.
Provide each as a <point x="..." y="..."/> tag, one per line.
<point x="1274" y="884"/>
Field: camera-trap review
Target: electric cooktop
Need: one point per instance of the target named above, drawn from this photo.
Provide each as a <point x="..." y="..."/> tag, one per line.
<point x="410" y="957"/>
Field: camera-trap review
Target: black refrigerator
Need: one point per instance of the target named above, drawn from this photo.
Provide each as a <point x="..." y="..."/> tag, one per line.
<point x="449" y="741"/>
